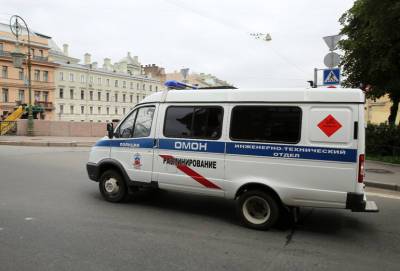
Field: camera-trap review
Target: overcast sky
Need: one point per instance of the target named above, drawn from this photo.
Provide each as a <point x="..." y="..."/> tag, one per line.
<point x="206" y="36"/>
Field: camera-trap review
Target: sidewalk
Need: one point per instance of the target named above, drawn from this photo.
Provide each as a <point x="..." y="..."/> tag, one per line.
<point x="382" y="175"/>
<point x="378" y="174"/>
<point x="48" y="141"/>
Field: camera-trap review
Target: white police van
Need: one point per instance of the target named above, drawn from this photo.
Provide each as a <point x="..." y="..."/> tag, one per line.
<point x="269" y="150"/>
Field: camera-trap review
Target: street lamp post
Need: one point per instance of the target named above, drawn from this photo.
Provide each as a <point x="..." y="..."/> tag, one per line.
<point x="18" y="57"/>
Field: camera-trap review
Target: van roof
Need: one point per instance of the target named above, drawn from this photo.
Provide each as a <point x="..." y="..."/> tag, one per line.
<point x="281" y="95"/>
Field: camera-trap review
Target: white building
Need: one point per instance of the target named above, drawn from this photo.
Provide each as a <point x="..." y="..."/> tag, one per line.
<point x="86" y="92"/>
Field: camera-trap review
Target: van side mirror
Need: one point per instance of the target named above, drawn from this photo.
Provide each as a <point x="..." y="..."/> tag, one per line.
<point x="110" y="130"/>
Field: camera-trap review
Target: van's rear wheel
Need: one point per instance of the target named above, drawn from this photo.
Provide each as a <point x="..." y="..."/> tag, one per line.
<point x="257" y="209"/>
<point x="112" y="186"/>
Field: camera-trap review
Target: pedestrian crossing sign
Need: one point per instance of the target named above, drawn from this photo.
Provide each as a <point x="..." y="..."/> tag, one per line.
<point x="332" y="77"/>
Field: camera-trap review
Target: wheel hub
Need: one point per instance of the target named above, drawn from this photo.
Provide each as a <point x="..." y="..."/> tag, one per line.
<point x="256" y="210"/>
<point x="111" y="186"/>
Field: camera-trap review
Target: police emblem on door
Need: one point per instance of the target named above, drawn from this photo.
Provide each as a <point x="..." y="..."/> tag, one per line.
<point x="137" y="161"/>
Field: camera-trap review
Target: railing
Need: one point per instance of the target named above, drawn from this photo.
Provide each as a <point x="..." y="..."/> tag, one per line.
<point x="35" y="58"/>
<point x="44" y="104"/>
<point x="5" y="53"/>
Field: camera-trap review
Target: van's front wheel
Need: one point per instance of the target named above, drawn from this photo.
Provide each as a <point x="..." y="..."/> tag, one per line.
<point x="257" y="209"/>
<point x="112" y="186"/>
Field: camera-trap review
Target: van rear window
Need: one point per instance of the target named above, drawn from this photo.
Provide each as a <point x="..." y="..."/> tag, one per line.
<point x="266" y="124"/>
<point x="193" y="122"/>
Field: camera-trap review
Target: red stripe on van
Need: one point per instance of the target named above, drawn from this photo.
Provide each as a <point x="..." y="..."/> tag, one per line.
<point x="193" y="174"/>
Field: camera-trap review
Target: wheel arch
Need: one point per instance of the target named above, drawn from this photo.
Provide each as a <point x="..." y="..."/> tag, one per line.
<point x="107" y="164"/>
<point x="258" y="186"/>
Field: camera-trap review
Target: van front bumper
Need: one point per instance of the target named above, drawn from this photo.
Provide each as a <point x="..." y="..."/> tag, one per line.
<point x="357" y="202"/>
<point x="93" y="171"/>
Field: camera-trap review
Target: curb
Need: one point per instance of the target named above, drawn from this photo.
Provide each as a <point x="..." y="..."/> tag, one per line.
<point x="387" y="186"/>
<point x="383" y="163"/>
<point x="47" y="144"/>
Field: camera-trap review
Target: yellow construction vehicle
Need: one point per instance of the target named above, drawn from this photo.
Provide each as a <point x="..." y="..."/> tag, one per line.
<point x="10" y="122"/>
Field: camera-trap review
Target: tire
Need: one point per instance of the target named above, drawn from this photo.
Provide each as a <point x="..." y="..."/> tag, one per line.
<point x="112" y="186"/>
<point x="257" y="209"/>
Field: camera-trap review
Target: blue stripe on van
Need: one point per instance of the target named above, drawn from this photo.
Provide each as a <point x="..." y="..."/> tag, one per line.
<point x="126" y="143"/>
<point x="192" y="145"/>
<point x="292" y="151"/>
<point x="253" y="149"/>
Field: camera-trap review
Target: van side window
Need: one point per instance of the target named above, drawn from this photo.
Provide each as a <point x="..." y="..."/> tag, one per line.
<point x="203" y="122"/>
<point x="143" y="122"/>
<point x="126" y="128"/>
<point x="266" y="123"/>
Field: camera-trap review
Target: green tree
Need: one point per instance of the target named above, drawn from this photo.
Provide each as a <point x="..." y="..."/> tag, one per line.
<point x="372" y="49"/>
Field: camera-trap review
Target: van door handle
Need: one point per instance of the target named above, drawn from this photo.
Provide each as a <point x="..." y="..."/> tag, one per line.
<point x="155" y="144"/>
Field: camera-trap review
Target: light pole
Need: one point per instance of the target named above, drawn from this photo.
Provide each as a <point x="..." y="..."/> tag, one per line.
<point x="18" y="57"/>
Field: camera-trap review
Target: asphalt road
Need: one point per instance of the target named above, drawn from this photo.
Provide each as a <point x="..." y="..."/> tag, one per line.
<point x="53" y="218"/>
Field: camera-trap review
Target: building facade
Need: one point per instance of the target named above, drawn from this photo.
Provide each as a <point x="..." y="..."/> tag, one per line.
<point x="13" y="81"/>
<point x="87" y="92"/>
<point x="198" y="79"/>
<point x="378" y="110"/>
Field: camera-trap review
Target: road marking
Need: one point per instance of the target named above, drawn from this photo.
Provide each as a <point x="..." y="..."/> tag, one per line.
<point x="29" y="218"/>
<point x="383" y="195"/>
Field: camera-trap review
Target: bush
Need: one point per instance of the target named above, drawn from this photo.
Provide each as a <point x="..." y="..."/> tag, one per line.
<point x="382" y="140"/>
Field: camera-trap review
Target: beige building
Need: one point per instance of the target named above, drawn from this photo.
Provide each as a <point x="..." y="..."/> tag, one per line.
<point x="198" y="79"/>
<point x="13" y="81"/>
<point x="89" y="92"/>
<point x="378" y="110"/>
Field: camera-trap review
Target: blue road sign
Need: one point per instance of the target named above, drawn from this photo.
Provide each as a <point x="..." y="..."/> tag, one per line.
<point x="332" y="77"/>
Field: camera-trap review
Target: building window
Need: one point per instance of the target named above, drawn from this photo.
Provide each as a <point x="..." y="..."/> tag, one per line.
<point x="21" y="74"/>
<point x="61" y="76"/>
<point x="5" y="95"/>
<point x="193" y="122"/>
<point x="91" y="110"/>
<point x="61" y="109"/>
<point x="124" y="98"/>
<point x="131" y="98"/>
<point x="71" y="109"/>
<point x="4" y="72"/>
<point x="91" y="95"/>
<point x="150" y="87"/>
<point x="108" y="82"/>
<point x="33" y="52"/>
<point x="1" y="46"/>
<point x="99" y="96"/>
<point x="61" y="93"/>
<point x="37" y="75"/>
<point x="123" y="110"/>
<point x="156" y="88"/>
<point x="124" y="84"/>
<point x="116" y="111"/>
<point x="144" y="86"/>
<point x="21" y="95"/>
<point x="37" y="96"/>
<point x="107" y="96"/>
<point x="144" y="96"/>
<point x="45" y="76"/>
<point x="99" y="110"/>
<point x="91" y="79"/>
<point x="71" y="93"/>
<point x="116" y="83"/>
<point x="83" y="78"/>
<point x="82" y="94"/>
<point x="266" y="123"/>
<point x="116" y="97"/>
<point x="137" y="98"/>
<point x="99" y="80"/>
<point x="82" y="109"/>
<point x="41" y="53"/>
<point x="108" y="110"/>
<point x="131" y="85"/>
<point x="137" y="86"/>
<point x="45" y="96"/>
<point x="71" y="77"/>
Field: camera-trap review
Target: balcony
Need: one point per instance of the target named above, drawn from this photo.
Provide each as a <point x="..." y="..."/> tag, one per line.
<point x="45" y="105"/>
<point x="35" y="58"/>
